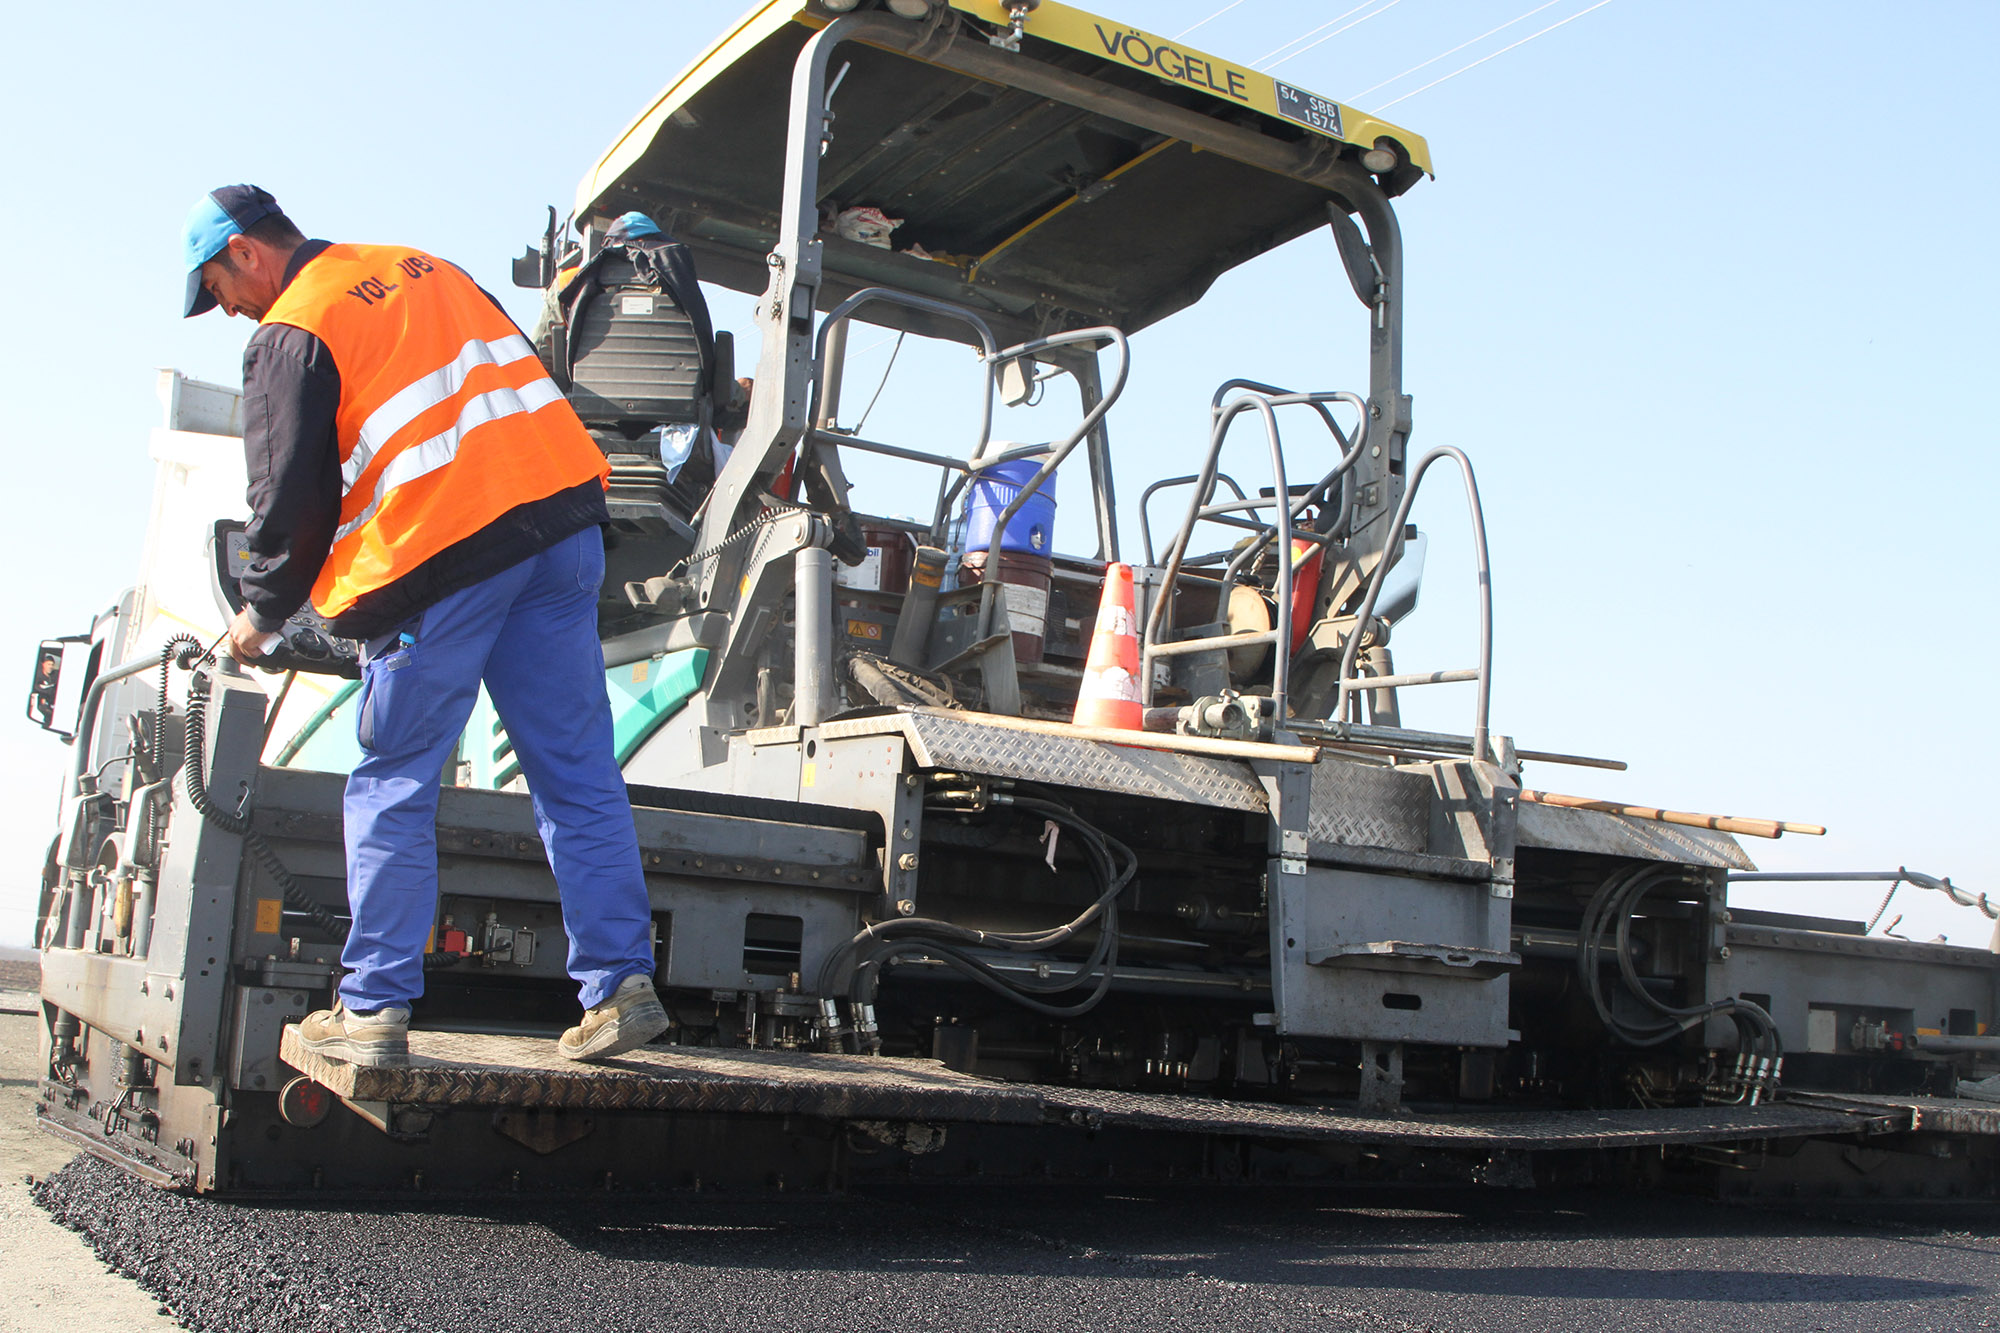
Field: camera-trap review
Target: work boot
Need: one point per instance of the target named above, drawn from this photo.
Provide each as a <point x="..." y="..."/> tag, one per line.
<point x="378" y="1040"/>
<point x="630" y="1017"/>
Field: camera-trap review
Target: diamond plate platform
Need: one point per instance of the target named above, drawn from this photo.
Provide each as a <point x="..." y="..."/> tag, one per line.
<point x="1931" y="1115"/>
<point x="1568" y="830"/>
<point x="1009" y="748"/>
<point x="458" y="1069"/>
<point x="466" y="1069"/>
<point x="1367" y="805"/>
<point x="1483" y="1130"/>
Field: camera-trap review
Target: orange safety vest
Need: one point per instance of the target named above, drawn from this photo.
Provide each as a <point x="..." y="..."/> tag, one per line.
<point x="447" y="419"/>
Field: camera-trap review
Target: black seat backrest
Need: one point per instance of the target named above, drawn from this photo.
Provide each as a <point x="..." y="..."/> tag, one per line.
<point x="636" y="356"/>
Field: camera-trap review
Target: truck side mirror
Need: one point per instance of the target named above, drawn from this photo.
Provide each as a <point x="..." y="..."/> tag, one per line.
<point x="1404" y="580"/>
<point x="537" y="268"/>
<point x="528" y="269"/>
<point x="59" y="662"/>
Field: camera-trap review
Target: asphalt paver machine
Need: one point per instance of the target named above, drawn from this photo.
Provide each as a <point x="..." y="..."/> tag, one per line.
<point x="911" y="920"/>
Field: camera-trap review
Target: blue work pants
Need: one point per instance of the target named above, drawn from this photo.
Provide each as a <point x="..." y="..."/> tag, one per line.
<point x="530" y="633"/>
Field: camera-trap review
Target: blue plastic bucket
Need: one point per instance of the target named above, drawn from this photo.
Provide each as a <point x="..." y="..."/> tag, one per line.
<point x="1032" y="530"/>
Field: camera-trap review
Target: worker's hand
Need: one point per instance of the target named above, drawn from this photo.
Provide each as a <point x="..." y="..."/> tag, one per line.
<point x="245" y="640"/>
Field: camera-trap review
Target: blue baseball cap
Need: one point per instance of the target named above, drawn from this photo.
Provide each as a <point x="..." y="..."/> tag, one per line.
<point x="227" y="211"/>
<point x="631" y="227"/>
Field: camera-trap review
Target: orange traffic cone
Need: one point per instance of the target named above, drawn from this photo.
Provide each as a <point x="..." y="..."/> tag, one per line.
<point x="1110" y="693"/>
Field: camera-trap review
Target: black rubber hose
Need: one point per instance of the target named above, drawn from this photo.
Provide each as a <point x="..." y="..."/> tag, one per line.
<point x="1751" y="1019"/>
<point x="1617" y="901"/>
<point x="993" y="981"/>
<point x="1099" y="856"/>
<point x="882" y="953"/>
<point x="1111" y="862"/>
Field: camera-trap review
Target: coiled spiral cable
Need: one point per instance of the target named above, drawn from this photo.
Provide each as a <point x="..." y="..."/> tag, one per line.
<point x="188" y="653"/>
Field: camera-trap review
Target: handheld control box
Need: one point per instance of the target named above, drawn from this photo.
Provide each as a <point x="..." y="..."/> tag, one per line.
<point x="305" y="643"/>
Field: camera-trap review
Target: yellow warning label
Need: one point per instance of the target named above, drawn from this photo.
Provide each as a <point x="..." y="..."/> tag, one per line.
<point x="639" y="671"/>
<point x="863" y="629"/>
<point x="806" y="775"/>
<point x="270" y="916"/>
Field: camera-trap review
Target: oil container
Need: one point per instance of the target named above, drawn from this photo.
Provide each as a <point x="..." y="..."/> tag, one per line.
<point x="1024" y="585"/>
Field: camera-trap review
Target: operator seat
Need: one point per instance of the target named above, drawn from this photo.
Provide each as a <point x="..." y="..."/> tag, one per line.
<point x="626" y="334"/>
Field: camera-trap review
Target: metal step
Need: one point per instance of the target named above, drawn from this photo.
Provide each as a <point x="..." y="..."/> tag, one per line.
<point x="461" y="1069"/>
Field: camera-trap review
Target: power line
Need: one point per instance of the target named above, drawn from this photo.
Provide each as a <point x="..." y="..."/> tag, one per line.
<point x="1335" y="33"/>
<point x="1259" y="62"/>
<point x="1483" y="59"/>
<point x="1456" y="49"/>
<point x="1210" y="19"/>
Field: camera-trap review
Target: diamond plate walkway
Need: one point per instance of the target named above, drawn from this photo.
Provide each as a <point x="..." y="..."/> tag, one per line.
<point x="460" y="1069"/>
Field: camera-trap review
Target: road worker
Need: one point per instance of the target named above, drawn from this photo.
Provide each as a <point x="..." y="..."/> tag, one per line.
<point x="416" y="474"/>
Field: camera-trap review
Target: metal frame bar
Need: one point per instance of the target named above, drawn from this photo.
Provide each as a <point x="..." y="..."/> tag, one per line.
<point x="1145" y="524"/>
<point x="1203" y="508"/>
<point x="1349" y="682"/>
<point x="1279" y="636"/>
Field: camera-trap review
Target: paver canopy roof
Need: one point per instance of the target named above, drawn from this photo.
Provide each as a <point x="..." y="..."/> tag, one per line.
<point x="1098" y="174"/>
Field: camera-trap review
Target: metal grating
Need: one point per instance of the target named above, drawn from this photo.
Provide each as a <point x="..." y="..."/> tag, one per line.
<point x="1366" y="805"/>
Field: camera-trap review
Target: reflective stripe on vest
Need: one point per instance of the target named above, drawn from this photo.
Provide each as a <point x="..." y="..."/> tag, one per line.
<point x="431" y="373"/>
<point x="425" y="394"/>
<point x="421" y="459"/>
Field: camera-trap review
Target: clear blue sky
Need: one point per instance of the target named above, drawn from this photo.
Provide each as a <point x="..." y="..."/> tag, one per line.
<point x="1706" y="290"/>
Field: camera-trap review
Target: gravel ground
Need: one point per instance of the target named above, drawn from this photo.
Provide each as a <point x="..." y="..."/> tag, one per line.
<point x="50" y="1282"/>
<point x="1045" y="1259"/>
<point x="979" y="1258"/>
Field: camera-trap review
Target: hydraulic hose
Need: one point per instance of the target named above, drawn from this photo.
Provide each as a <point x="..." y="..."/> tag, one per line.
<point x="1611" y="910"/>
<point x="1110" y="862"/>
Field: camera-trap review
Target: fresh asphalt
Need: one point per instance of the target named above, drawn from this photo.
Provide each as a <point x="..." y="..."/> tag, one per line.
<point x="1050" y="1257"/>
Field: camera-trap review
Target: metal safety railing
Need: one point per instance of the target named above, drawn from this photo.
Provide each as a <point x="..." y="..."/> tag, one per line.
<point x="1895" y="879"/>
<point x="1282" y="528"/>
<point x="1350" y="683"/>
<point x="959" y="471"/>
<point x="1168" y="483"/>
